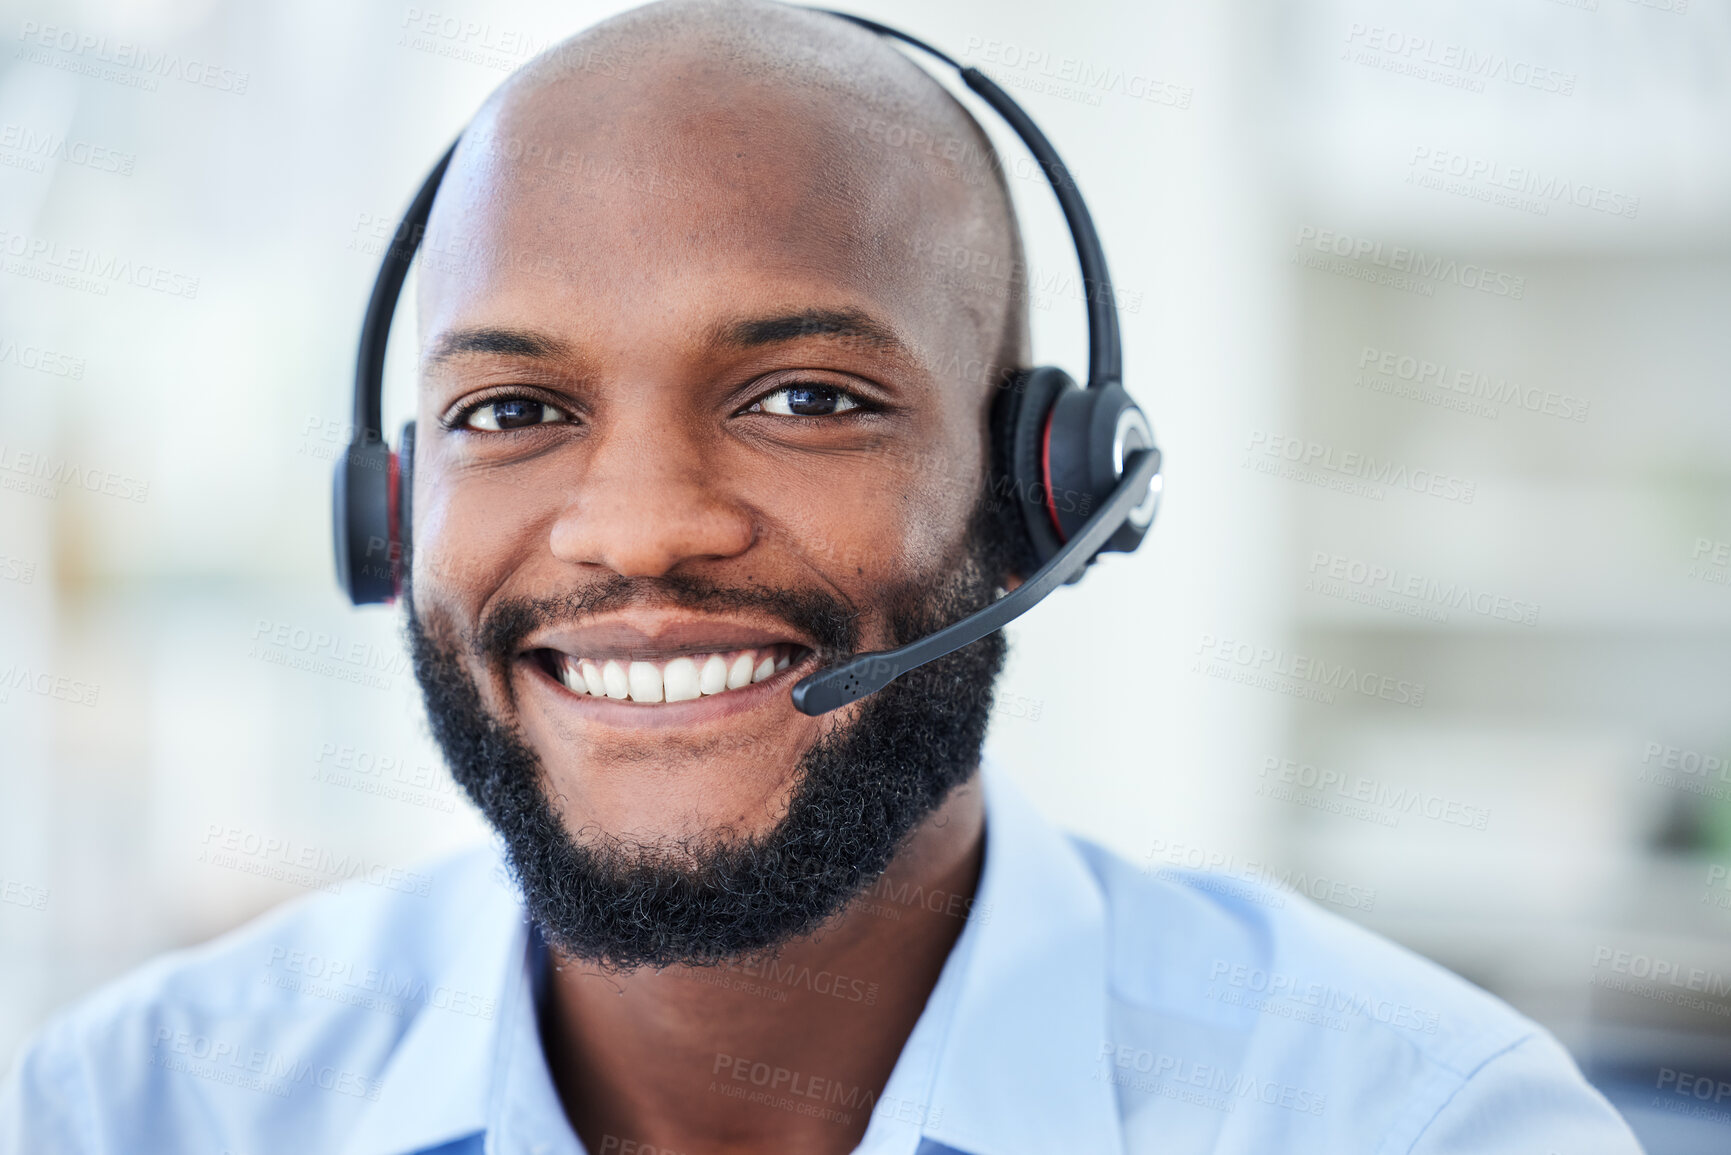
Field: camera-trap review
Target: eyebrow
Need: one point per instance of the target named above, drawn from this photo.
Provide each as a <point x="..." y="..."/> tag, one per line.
<point x="752" y="333"/>
<point x="850" y="323"/>
<point x="507" y="342"/>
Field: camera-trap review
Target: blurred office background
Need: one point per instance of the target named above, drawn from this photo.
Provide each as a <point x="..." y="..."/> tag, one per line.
<point x="1428" y="303"/>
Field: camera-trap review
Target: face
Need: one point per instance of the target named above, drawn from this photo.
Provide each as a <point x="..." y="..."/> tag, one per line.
<point x="681" y="441"/>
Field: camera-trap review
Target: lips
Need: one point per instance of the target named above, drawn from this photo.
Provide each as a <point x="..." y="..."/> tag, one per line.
<point x="683" y="678"/>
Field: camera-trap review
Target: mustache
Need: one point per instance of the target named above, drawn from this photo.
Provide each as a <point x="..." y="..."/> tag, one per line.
<point x="827" y="619"/>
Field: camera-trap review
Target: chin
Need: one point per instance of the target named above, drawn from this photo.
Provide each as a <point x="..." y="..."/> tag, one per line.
<point x="721" y="765"/>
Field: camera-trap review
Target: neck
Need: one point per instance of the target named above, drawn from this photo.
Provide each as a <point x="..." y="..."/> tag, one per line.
<point x="786" y="1051"/>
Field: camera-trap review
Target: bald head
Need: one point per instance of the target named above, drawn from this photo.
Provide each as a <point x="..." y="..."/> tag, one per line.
<point x="700" y="126"/>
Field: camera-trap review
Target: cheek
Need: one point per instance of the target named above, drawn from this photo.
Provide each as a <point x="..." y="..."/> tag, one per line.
<point x="855" y="531"/>
<point x="862" y="526"/>
<point x="469" y="535"/>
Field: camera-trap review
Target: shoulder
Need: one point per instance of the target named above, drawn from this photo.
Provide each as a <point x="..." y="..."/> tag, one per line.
<point x="1299" y="1016"/>
<point x="1234" y="941"/>
<point x="304" y="1005"/>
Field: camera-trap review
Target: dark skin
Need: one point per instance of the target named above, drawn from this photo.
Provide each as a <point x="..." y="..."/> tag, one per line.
<point x="605" y="390"/>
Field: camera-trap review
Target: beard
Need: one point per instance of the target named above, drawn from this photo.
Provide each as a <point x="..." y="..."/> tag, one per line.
<point x="858" y="793"/>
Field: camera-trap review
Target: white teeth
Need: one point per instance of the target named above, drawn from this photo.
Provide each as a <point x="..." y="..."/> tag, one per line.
<point x="592" y="679"/>
<point x="572" y="679"/>
<point x="679" y="680"/>
<point x="645" y="682"/>
<point x="713" y="677"/>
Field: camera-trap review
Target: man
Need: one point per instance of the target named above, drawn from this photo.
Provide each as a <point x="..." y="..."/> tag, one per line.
<point x="694" y="420"/>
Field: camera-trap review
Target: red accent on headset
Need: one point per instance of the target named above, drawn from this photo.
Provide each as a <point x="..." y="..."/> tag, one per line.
<point x="394" y="548"/>
<point x="1046" y="475"/>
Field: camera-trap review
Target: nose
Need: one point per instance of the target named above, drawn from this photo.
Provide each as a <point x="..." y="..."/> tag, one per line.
<point x="651" y="497"/>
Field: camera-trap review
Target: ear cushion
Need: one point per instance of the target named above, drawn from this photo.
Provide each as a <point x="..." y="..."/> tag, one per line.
<point x="1019" y="482"/>
<point x="1089" y="433"/>
<point x="361" y="501"/>
<point x="404" y="460"/>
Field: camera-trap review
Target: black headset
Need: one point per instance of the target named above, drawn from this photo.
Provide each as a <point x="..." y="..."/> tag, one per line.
<point x="1079" y="463"/>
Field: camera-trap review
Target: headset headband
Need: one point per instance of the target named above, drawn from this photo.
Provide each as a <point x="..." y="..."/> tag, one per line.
<point x="1105" y="359"/>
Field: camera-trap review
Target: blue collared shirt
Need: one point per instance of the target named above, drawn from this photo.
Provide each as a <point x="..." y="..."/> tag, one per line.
<point x="1088" y="1006"/>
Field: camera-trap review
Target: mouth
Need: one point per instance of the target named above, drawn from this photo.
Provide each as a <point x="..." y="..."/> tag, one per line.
<point x="659" y="669"/>
<point x="667" y="678"/>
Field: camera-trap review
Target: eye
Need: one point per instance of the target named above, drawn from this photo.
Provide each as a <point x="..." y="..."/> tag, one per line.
<point x="508" y="413"/>
<point x="805" y="401"/>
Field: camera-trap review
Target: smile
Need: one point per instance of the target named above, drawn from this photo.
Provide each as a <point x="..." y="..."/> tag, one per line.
<point x="681" y="678"/>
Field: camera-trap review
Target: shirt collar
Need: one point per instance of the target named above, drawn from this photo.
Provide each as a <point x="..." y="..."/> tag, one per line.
<point x="1004" y="1060"/>
<point x="437" y="1085"/>
<point x="1019" y="1069"/>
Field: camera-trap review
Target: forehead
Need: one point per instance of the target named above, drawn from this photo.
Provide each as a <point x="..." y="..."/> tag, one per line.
<point x="669" y="200"/>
